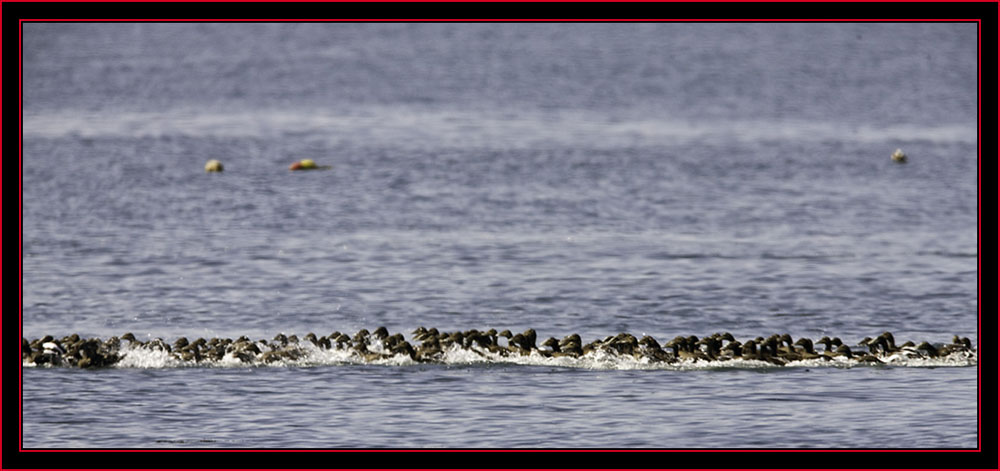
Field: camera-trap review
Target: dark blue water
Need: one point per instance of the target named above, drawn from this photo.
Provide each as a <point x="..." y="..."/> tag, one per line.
<point x="658" y="179"/>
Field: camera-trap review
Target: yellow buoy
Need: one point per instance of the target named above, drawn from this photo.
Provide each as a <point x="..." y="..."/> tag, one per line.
<point x="899" y="156"/>
<point x="307" y="164"/>
<point x="213" y="166"/>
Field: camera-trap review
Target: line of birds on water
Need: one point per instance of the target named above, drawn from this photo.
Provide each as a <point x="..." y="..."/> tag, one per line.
<point x="777" y="349"/>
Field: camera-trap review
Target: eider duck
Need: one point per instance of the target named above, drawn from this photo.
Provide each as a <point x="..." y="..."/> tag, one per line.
<point x="454" y="338"/>
<point x="404" y="348"/>
<point x="830" y="344"/>
<point x="429" y="350"/>
<point x="516" y="344"/>
<point x="392" y="341"/>
<point x="957" y="345"/>
<point x="553" y="345"/>
<point x="422" y="334"/>
<point x="572" y="349"/>
<point x="624" y="344"/>
<point x="769" y="351"/>
<point x="711" y="346"/>
<point x="361" y="336"/>
<point x="685" y="348"/>
<point x="863" y="358"/>
<point x="575" y="338"/>
<point x="928" y="350"/>
<point x="361" y="349"/>
<point x="651" y="349"/>
<point x="732" y="350"/>
<point x="808" y="353"/>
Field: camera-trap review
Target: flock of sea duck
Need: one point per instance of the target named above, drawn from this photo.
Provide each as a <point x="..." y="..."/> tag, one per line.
<point x="430" y="345"/>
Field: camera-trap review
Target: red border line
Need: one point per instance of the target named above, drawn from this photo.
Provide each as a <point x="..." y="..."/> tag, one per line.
<point x="495" y="20"/>
<point x="494" y="1"/>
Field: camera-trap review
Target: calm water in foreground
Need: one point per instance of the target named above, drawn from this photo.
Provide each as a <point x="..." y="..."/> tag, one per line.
<point x="658" y="179"/>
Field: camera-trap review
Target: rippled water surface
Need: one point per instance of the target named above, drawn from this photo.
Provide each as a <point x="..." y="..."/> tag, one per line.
<point x="658" y="179"/>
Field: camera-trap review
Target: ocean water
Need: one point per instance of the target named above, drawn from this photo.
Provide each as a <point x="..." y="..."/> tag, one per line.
<point x="661" y="179"/>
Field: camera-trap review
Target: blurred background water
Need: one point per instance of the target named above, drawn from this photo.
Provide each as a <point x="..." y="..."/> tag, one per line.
<point x="657" y="178"/>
